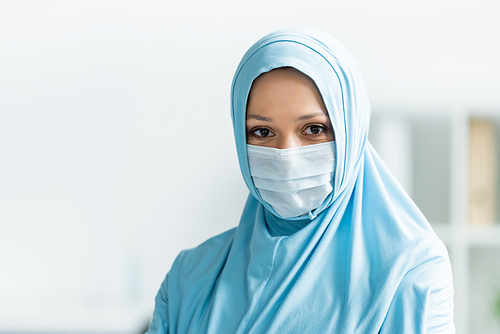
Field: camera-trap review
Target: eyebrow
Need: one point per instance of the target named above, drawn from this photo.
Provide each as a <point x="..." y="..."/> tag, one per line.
<point x="260" y="118"/>
<point x="308" y="116"/>
<point x="301" y="118"/>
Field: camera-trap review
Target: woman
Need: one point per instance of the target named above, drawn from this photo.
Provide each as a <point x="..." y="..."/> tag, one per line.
<point x="328" y="241"/>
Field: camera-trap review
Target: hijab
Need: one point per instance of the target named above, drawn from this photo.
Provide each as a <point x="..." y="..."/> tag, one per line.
<point x="365" y="261"/>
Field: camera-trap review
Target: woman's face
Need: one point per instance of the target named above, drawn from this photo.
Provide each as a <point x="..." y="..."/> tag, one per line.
<point x="285" y="110"/>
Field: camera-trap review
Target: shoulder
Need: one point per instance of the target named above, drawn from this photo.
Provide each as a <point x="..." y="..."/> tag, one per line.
<point x="423" y="301"/>
<point x="210" y="252"/>
<point x="192" y="269"/>
<point x="434" y="273"/>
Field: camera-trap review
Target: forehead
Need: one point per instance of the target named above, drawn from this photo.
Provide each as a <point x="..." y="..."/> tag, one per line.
<point x="284" y="88"/>
<point x="282" y="75"/>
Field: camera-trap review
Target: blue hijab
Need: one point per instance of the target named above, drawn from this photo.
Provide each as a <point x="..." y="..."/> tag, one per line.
<point x="365" y="261"/>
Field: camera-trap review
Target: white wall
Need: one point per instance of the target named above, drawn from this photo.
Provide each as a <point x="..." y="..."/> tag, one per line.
<point x="116" y="148"/>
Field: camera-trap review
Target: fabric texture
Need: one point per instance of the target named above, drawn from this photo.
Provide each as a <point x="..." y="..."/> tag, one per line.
<point x="365" y="261"/>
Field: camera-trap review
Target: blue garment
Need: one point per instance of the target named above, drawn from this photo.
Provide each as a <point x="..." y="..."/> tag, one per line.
<point x="365" y="261"/>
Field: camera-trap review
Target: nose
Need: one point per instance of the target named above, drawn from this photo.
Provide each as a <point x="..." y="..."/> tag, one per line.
<point x="288" y="141"/>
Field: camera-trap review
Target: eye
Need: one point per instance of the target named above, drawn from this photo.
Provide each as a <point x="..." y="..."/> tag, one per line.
<point x="314" y="129"/>
<point x="262" y="133"/>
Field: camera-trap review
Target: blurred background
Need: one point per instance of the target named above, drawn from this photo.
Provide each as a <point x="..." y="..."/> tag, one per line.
<point x="116" y="146"/>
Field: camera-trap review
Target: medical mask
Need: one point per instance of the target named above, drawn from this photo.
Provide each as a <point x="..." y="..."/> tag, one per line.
<point x="293" y="181"/>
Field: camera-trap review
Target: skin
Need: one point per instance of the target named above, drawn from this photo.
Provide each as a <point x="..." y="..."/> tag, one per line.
<point x="286" y="110"/>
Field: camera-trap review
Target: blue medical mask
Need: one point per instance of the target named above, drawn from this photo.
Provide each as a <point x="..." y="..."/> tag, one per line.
<point x="293" y="181"/>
